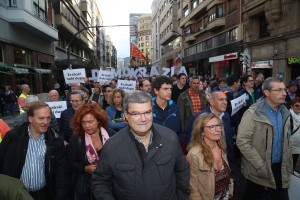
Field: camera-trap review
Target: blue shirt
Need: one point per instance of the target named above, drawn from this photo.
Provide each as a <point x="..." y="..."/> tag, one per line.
<point x="33" y="173"/>
<point x="275" y="118"/>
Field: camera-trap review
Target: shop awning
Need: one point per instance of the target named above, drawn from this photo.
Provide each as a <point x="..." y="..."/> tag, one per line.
<point x="26" y="69"/>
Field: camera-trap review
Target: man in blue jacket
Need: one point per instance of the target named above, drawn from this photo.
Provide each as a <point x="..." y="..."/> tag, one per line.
<point x="165" y="111"/>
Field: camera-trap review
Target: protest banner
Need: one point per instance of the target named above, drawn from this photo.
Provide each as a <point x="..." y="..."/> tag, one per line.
<point x="104" y="77"/>
<point x="237" y="104"/>
<point x="127" y="86"/>
<point x="74" y="75"/>
<point x="57" y="107"/>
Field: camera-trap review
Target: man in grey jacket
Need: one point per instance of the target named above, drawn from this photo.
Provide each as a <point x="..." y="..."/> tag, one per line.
<point x="263" y="141"/>
<point x="143" y="160"/>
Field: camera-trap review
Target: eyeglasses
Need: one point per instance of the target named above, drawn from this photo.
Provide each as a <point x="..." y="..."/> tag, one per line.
<point x="213" y="127"/>
<point x="89" y="123"/>
<point x="139" y="115"/>
<point x="280" y="90"/>
<point x="296" y="105"/>
<point x="75" y="101"/>
<point x="108" y="91"/>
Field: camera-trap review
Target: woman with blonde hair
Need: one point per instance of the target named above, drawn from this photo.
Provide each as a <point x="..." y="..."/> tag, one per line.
<point x="209" y="169"/>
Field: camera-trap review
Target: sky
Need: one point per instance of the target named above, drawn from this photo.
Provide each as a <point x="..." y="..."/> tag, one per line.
<point x="116" y="12"/>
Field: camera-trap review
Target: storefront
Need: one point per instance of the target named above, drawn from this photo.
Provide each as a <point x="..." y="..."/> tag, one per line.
<point x="265" y="67"/>
<point x="294" y="64"/>
<point x="225" y="65"/>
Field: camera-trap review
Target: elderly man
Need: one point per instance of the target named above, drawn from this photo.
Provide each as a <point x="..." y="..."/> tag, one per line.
<point x="35" y="154"/>
<point x="263" y="141"/>
<point x="21" y="100"/>
<point x="77" y="100"/>
<point x="143" y="160"/>
<point x="20" y="119"/>
<point x="53" y="96"/>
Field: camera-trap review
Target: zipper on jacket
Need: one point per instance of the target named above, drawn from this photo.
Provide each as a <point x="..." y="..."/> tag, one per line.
<point x="267" y="138"/>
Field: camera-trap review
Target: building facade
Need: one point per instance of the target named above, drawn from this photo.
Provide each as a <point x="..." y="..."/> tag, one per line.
<point x="272" y="37"/>
<point x="27" y="34"/>
<point x="156" y="48"/>
<point x="212" y="37"/>
<point x="145" y="39"/>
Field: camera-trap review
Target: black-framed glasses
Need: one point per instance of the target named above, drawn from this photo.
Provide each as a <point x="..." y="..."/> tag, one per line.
<point x="75" y="101"/>
<point x="139" y="115"/>
<point x="213" y="127"/>
<point x="280" y="90"/>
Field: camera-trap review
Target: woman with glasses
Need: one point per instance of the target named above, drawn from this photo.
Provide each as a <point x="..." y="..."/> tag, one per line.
<point x="115" y="111"/>
<point x="90" y="127"/>
<point x="209" y="169"/>
<point x="295" y="129"/>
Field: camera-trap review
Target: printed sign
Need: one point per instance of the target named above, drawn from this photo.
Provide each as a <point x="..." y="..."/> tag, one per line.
<point x="104" y="77"/>
<point x="74" y="75"/>
<point x="127" y="86"/>
<point x="237" y="104"/>
<point x="57" y="107"/>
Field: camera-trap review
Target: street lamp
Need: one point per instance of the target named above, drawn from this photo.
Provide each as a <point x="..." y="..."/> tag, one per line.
<point x="68" y="46"/>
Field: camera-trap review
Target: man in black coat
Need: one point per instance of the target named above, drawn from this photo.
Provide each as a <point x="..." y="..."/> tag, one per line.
<point x="34" y="153"/>
<point x="143" y="160"/>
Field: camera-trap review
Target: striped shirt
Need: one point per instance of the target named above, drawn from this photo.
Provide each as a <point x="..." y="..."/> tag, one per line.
<point x="33" y="173"/>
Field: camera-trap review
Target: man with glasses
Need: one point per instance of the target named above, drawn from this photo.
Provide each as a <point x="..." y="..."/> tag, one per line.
<point x="263" y="141"/>
<point x="143" y="160"/>
<point x="76" y="100"/>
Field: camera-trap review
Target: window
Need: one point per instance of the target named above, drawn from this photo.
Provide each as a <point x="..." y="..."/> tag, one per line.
<point x="13" y="3"/>
<point x="142" y="44"/>
<point x="147" y="44"/>
<point x="215" y="12"/>
<point x="185" y="11"/>
<point x="194" y="4"/>
<point x="147" y="37"/>
<point x="21" y="56"/>
<point x="263" y="27"/>
<point x="187" y="30"/>
<point x="232" y="6"/>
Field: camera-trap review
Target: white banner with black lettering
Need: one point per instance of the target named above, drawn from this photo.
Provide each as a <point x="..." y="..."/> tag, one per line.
<point x="57" y="107"/>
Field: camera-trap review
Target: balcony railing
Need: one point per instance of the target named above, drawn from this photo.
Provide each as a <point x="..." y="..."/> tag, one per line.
<point x="38" y="16"/>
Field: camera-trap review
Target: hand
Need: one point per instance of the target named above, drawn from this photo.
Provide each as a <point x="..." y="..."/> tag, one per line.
<point x="90" y="168"/>
<point x="263" y="171"/>
<point x="66" y="143"/>
<point x="85" y="79"/>
<point x="113" y="121"/>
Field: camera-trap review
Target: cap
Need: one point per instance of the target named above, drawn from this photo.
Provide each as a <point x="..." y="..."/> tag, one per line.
<point x="292" y="82"/>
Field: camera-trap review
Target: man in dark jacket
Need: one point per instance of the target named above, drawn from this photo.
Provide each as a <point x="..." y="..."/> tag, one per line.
<point x="165" y="111"/>
<point x="34" y="153"/>
<point x="143" y="160"/>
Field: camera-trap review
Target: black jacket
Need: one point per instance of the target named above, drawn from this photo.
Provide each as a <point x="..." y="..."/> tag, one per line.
<point x="65" y="127"/>
<point x="123" y="174"/>
<point x="13" y="150"/>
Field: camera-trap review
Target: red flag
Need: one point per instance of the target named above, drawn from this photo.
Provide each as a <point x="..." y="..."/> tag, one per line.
<point x="135" y="52"/>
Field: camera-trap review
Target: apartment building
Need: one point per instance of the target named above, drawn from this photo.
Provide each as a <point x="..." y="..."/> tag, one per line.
<point x="76" y="21"/>
<point x="170" y="36"/>
<point x="145" y="39"/>
<point x="272" y="37"/>
<point x="156" y="50"/>
<point x="27" y="34"/>
<point x="212" y="36"/>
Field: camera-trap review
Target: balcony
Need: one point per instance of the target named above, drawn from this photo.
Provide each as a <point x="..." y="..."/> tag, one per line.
<point x="30" y="21"/>
<point x="194" y="14"/>
<point x="62" y="23"/>
<point x="190" y="38"/>
<point x="169" y="37"/>
<point x="216" y="24"/>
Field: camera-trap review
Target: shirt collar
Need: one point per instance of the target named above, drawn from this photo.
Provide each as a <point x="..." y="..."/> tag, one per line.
<point x="221" y="114"/>
<point x="42" y="136"/>
<point x="270" y="108"/>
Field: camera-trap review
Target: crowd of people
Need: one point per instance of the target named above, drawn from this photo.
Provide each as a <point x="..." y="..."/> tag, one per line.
<point x="171" y="138"/>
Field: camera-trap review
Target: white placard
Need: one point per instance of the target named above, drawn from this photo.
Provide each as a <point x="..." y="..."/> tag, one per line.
<point x="127" y="86"/>
<point x="237" y="104"/>
<point x="74" y="75"/>
<point x="57" y="107"/>
<point x="104" y="77"/>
